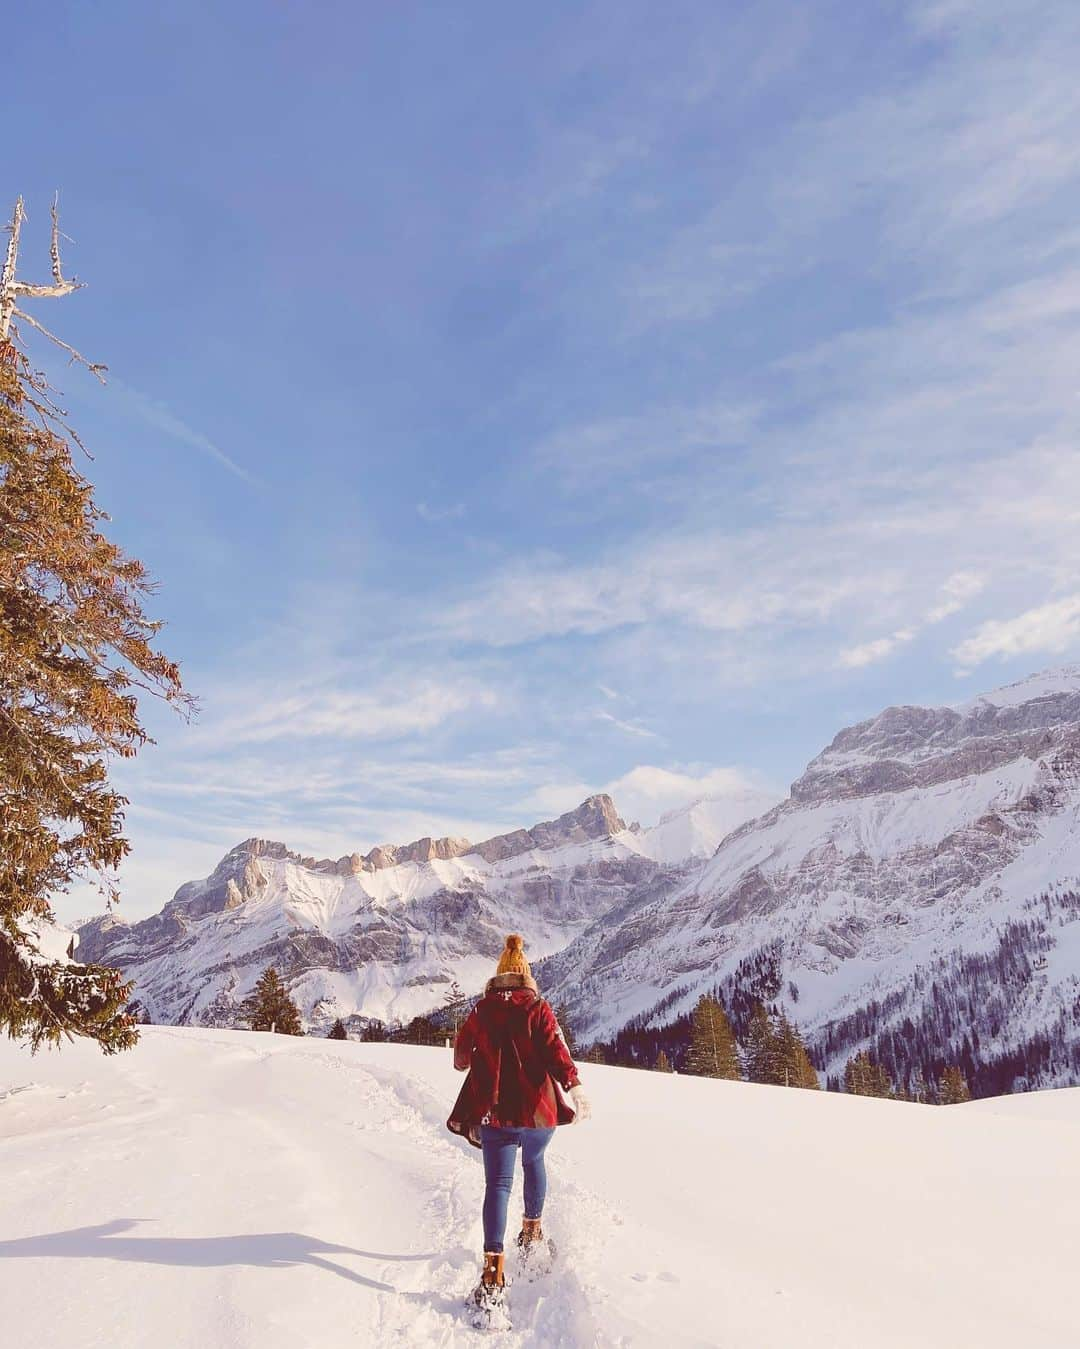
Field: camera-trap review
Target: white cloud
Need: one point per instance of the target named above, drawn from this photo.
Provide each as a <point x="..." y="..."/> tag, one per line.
<point x="1053" y="627"/>
<point x="956" y="592"/>
<point x="868" y="653"/>
<point x="386" y="713"/>
<point x="435" y="514"/>
<point x="628" y="727"/>
<point x="646" y="792"/>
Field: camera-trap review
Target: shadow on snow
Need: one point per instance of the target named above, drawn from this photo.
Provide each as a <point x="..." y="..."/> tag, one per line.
<point x="268" y="1250"/>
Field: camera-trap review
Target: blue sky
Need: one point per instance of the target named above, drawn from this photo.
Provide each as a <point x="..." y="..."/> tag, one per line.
<point x="514" y="402"/>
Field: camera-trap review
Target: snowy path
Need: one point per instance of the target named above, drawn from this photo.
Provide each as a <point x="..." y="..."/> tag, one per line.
<point x="232" y="1191"/>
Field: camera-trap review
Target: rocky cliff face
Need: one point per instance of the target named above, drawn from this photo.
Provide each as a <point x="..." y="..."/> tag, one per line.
<point x="917" y="894"/>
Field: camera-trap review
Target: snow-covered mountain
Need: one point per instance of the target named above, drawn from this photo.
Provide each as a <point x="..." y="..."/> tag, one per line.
<point x="695" y="831"/>
<point x="919" y="892"/>
<point x="386" y="934"/>
<point x="381" y="935"/>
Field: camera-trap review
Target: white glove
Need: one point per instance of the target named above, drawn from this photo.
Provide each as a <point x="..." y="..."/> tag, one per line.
<point x="582" y="1108"/>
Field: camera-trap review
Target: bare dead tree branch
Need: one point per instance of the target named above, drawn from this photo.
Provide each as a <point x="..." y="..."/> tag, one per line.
<point x="11" y="288"/>
<point x="59" y="286"/>
<point x="95" y="367"/>
<point x="7" y="277"/>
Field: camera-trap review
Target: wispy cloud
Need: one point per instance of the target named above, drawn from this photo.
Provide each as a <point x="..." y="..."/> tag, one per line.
<point x="955" y="593"/>
<point x="320" y="711"/>
<point x="628" y="727"/>
<point x="1053" y="627"/>
<point x="157" y="414"/>
<point x="436" y="514"/>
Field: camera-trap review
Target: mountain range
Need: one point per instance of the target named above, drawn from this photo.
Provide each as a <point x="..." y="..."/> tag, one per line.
<point x="916" y="893"/>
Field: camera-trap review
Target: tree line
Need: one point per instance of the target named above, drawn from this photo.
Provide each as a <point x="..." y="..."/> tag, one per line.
<point x="771" y="1052"/>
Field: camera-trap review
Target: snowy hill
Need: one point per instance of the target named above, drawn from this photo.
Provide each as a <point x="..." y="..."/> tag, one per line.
<point x="918" y="893"/>
<point x="226" y="1190"/>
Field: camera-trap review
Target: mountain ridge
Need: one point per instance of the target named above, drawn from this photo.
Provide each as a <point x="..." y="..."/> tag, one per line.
<point x="925" y="861"/>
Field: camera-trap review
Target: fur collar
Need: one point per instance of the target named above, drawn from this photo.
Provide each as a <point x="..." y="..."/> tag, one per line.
<point x="500" y="982"/>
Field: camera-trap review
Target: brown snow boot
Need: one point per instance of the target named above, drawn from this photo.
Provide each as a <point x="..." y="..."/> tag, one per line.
<point x="530" y="1233"/>
<point x="490" y="1290"/>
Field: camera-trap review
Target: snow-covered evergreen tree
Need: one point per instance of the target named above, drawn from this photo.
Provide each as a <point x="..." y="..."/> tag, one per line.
<point x="270" y="1008"/>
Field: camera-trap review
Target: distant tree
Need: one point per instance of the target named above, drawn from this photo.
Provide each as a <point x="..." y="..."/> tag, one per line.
<point x="374" y="1032"/>
<point x="77" y="651"/>
<point x="863" y="1077"/>
<point x="421" y="1030"/>
<point x="338" y="1031"/>
<point x="454" y="1003"/>
<point x="713" y="1051"/>
<point x="762" y="1049"/>
<point x="921" y="1090"/>
<point x="270" y="1008"/>
<point x="663" y="1063"/>
<point x="953" y="1088"/>
<point x="562" y="1016"/>
<point x="594" y="1054"/>
<point x="793" y="1060"/>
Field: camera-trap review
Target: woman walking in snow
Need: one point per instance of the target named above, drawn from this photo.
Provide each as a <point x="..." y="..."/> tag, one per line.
<point x="515" y="1054"/>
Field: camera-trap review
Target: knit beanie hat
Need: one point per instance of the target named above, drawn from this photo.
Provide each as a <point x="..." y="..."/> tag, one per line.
<point x="512" y="960"/>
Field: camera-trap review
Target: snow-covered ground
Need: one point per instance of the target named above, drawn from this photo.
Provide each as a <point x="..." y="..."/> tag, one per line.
<point x="219" y="1190"/>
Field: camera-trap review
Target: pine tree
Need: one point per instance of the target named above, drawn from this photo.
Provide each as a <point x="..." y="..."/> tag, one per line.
<point x="794" y="1061"/>
<point x="594" y="1054"/>
<point x="762" y="1049"/>
<point x="713" y="1052"/>
<point x="863" y="1077"/>
<point x="663" y="1063"/>
<point x="338" y="1031"/>
<point x="421" y="1030"/>
<point x="953" y="1088"/>
<point x="75" y="643"/>
<point x="562" y="1016"/>
<point x="270" y="1008"/>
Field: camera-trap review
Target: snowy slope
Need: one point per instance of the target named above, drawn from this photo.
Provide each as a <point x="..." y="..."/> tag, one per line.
<point x="225" y="1190"/>
<point x="695" y="831"/>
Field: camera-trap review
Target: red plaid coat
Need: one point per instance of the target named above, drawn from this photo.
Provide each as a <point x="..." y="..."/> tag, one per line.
<point x="514" y="1052"/>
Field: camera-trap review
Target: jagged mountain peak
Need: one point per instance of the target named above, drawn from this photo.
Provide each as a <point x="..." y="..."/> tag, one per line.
<point x="907" y="746"/>
<point x="595" y="818"/>
<point x="1061" y="681"/>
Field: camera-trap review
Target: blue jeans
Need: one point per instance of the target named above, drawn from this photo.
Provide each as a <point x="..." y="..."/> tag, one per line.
<point x="500" y="1148"/>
